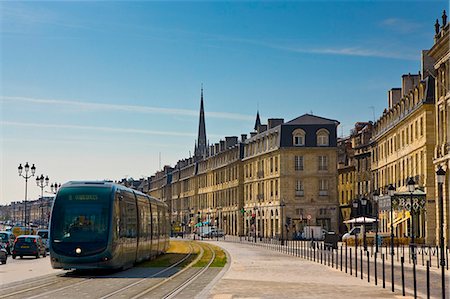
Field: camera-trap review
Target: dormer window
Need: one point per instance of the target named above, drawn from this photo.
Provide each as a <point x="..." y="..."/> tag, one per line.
<point x="299" y="137"/>
<point x="323" y="137"/>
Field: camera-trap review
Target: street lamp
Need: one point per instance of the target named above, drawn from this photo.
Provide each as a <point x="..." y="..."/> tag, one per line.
<point x="411" y="188"/>
<point x="42" y="183"/>
<point x="355" y="206"/>
<point x="282" y="205"/>
<point x="26" y="177"/>
<point x="440" y="174"/>
<point x="255" y="209"/>
<point x="375" y="203"/>
<point x="391" y="191"/>
<point x="54" y="187"/>
<point x="364" y="205"/>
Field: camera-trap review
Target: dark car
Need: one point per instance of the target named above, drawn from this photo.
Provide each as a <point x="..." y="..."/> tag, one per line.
<point x="3" y="255"/>
<point x="29" y="245"/>
<point x="7" y="240"/>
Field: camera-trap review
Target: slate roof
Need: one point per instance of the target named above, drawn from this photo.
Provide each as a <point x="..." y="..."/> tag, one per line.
<point x="309" y="119"/>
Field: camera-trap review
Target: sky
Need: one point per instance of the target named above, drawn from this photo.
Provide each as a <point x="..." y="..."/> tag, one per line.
<point x="107" y="90"/>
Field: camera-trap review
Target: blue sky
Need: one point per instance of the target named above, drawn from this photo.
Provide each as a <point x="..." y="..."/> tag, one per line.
<point x="96" y="90"/>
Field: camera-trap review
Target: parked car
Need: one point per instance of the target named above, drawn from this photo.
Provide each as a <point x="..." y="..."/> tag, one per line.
<point x="3" y="255"/>
<point x="44" y="235"/>
<point x="351" y="234"/>
<point x="217" y="233"/>
<point x="7" y="240"/>
<point x="29" y="245"/>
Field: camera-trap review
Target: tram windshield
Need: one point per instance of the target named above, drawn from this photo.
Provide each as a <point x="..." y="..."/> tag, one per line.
<point x="81" y="214"/>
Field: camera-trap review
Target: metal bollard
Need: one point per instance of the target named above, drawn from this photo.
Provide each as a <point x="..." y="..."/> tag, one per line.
<point x="351" y="268"/>
<point x="402" y="261"/>
<point x="428" y="279"/>
<point x="368" y="266"/>
<point x="384" y="273"/>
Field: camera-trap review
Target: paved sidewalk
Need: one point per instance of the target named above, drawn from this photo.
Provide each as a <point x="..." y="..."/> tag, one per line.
<point x="260" y="273"/>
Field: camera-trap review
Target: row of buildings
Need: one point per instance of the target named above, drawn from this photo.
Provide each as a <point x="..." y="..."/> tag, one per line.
<point x="409" y="140"/>
<point x="269" y="183"/>
<point x="286" y="175"/>
<point x="38" y="212"/>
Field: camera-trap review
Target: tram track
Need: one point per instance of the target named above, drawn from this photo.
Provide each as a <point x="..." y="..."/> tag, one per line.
<point x="191" y="251"/>
<point x="165" y="283"/>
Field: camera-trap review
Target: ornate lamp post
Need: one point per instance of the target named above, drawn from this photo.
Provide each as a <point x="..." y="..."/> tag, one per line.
<point x="363" y="201"/>
<point x="411" y="188"/>
<point x="391" y="191"/>
<point x="42" y="183"/>
<point x="282" y="205"/>
<point x="256" y="209"/>
<point x="375" y="203"/>
<point x="355" y="206"/>
<point x="26" y="177"/>
<point x="54" y="187"/>
<point x="440" y="174"/>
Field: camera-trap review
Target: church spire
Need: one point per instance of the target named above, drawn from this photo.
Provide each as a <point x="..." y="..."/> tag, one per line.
<point x="200" y="150"/>
<point x="258" y="121"/>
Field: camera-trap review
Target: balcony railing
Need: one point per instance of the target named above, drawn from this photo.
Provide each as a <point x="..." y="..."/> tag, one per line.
<point x="299" y="193"/>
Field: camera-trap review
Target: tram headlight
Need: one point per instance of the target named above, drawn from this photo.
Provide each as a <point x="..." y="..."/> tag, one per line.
<point x="78" y="250"/>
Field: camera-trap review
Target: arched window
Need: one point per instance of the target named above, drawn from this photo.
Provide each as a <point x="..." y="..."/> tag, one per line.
<point x="323" y="137"/>
<point x="298" y="137"/>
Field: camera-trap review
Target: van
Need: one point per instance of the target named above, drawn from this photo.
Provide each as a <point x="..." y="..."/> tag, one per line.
<point x="44" y="235"/>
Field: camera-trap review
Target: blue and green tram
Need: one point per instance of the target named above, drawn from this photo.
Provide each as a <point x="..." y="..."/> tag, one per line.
<point x="103" y="225"/>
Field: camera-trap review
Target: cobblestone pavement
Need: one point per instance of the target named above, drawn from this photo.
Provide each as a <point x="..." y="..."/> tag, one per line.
<point x="256" y="272"/>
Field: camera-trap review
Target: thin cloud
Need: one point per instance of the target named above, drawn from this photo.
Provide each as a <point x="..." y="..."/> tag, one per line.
<point x="401" y="25"/>
<point x="95" y="128"/>
<point x="359" y="51"/>
<point x="128" y="108"/>
<point x="100" y="129"/>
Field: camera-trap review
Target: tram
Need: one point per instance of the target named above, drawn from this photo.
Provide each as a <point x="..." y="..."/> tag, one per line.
<point x="103" y="225"/>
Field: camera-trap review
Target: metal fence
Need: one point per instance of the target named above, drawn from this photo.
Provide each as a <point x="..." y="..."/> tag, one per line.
<point x="386" y="268"/>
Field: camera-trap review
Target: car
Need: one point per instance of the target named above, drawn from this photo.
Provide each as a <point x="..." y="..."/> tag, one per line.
<point x="29" y="245"/>
<point x="7" y="240"/>
<point x="351" y="234"/>
<point x="3" y="255"/>
<point x="44" y="235"/>
<point x="218" y="233"/>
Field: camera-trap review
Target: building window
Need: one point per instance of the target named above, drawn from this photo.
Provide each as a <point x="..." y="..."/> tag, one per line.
<point x="276" y="164"/>
<point x="298" y="162"/>
<point x="323" y="163"/>
<point x="323" y="137"/>
<point x="299" y="188"/>
<point x="299" y="137"/>
<point x="323" y="187"/>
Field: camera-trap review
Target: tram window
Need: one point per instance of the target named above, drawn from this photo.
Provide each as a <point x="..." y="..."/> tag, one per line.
<point x="83" y="215"/>
<point x="128" y="223"/>
<point x="155" y="221"/>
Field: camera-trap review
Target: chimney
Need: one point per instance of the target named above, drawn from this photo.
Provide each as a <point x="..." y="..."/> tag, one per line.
<point x="394" y="96"/>
<point x="243" y="137"/>
<point x="262" y="128"/>
<point x="230" y="141"/>
<point x="216" y="148"/>
<point x="408" y="83"/>
<point x="273" y="122"/>
<point x="222" y="145"/>
<point x="427" y="65"/>
<point x="252" y="134"/>
<point x="211" y="150"/>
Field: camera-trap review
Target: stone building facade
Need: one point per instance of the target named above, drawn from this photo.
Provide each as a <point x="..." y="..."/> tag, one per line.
<point x="403" y="148"/>
<point x="440" y="54"/>
<point x="256" y="185"/>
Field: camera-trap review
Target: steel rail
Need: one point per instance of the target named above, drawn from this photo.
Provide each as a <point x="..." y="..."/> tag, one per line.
<point x="150" y="276"/>
<point x="171" y="277"/>
<point x="181" y="287"/>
